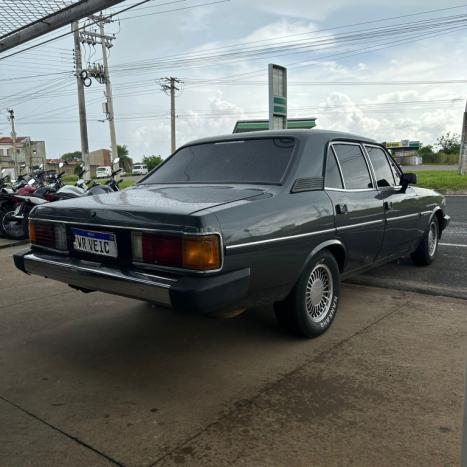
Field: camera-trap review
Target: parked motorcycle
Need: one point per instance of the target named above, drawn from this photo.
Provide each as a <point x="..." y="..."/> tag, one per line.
<point x="15" y="223"/>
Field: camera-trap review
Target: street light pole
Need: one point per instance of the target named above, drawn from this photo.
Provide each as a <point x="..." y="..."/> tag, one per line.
<point x="13" y="137"/>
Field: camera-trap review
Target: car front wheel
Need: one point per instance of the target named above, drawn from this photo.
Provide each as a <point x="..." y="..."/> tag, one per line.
<point x="311" y="306"/>
<point x="427" y="251"/>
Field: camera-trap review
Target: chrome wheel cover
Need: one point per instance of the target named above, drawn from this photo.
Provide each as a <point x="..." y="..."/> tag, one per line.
<point x="319" y="292"/>
<point x="432" y="239"/>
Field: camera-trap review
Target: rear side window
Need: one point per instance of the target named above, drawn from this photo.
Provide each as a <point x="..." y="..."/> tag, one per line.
<point x="353" y="166"/>
<point x="333" y="177"/>
<point x="237" y="161"/>
<point x="380" y="163"/>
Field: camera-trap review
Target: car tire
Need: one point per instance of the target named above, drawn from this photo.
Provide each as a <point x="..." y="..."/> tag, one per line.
<point x="427" y="250"/>
<point x="311" y="307"/>
<point x="12" y="230"/>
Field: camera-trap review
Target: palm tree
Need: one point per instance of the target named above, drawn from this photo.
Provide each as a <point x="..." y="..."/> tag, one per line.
<point x="126" y="162"/>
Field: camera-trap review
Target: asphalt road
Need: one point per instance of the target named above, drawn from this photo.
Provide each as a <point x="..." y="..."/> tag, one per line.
<point x="93" y="379"/>
<point x="447" y="276"/>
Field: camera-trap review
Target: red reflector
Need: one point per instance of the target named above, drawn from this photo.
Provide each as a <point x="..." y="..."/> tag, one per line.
<point x="166" y="251"/>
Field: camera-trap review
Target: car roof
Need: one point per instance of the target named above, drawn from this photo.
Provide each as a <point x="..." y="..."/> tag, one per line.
<point x="305" y="134"/>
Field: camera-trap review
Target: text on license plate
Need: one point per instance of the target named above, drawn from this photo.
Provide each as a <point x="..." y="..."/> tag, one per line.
<point x="97" y="243"/>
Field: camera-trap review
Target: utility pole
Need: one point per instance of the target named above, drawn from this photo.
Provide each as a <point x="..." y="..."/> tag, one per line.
<point x="463" y="148"/>
<point x="103" y="75"/>
<point x="83" y="128"/>
<point x="169" y="86"/>
<point x="108" y="89"/>
<point x="13" y="137"/>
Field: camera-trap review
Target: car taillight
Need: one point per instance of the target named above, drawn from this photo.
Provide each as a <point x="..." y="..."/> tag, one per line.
<point x="198" y="252"/>
<point x="47" y="234"/>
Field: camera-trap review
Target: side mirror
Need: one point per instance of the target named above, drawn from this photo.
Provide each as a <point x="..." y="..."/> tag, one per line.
<point x="3" y="171"/>
<point x="41" y="166"/>
<point x="31" y="182"/>
<point x="116" y="160"/>
<point x="61" y="165"/>
<point x="406" y="180"/>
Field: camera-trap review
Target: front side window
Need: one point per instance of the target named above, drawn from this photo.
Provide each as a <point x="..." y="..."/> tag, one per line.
<point x="333" y="177"/>
<point x="353" y="166"/>
<point x="262" y="161"/>
<point x="380" y="163"/>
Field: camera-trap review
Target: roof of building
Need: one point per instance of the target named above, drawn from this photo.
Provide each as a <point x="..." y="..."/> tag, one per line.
<point x="9" y="139"/>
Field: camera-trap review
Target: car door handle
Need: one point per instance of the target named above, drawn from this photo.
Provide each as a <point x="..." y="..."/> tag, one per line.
<point x="341" y="209"/>
<point x="387" y="205"/>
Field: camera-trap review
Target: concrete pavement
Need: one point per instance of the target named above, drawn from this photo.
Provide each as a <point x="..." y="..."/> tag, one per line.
<point x="102" y="380"/>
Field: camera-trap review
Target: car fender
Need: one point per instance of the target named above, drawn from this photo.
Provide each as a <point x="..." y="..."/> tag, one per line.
<point x="442" y="223"/>
<point x="323" y="246"/>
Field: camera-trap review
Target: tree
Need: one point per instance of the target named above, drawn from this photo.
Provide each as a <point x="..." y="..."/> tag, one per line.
<point x="449" y="143"/>
<point x="427" y="154"/>
<point x="152" y="161"/>
<point x="72" y="156"/>
<point x="126" y="162"/>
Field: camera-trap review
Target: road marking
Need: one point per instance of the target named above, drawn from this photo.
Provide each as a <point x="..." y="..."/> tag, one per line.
<point x="453" y="244"/>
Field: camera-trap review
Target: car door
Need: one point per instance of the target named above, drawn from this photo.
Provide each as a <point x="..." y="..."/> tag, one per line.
<point x="402" y="213"/>
<point x="358" y="208"/>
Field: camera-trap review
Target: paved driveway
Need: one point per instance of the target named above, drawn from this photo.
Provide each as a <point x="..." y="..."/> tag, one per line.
<point x="102" y="380"/>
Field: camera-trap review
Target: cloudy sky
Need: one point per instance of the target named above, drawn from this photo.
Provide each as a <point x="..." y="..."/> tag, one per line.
<point x="385" y="69"/>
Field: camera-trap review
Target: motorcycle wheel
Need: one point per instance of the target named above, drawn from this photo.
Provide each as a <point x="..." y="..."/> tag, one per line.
<point x="12" y="228"/>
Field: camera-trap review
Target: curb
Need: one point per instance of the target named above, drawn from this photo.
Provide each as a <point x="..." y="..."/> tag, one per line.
<point x="452" y="193"/>
<point x="411" y="286"/>
<point x="13" y="243"/>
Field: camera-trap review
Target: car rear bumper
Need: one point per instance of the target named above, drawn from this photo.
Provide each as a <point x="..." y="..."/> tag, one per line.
<point x="192" y="294"/>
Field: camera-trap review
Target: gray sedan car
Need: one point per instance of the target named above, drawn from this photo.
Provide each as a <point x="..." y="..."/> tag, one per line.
<point x="226" y="223"/>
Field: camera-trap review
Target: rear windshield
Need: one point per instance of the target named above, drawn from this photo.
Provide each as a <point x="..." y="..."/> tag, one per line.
<point x="262" y="161"/>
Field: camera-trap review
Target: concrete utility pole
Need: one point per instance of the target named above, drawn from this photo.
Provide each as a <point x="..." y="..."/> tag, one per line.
<point x="108" y="90"/>
<point x="83" y="128"/>
<point x="13" y="137"/>
<point x="169" y="86"/>
<point x="463" y="148"/>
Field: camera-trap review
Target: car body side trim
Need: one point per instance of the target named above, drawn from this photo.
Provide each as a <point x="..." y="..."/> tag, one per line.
<point x="360" y="224"/>
<point x="399" y="218"/>
<point x="280" y="239"/>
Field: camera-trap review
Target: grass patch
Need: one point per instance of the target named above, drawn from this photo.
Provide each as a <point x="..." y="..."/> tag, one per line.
<point x="442" y="180"/>
<point x="71" y="180"/>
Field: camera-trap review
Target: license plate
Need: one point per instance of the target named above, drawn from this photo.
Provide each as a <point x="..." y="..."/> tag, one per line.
<point x="96" y="243"/>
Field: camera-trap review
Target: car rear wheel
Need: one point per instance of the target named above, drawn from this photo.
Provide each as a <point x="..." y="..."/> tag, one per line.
<point x="427" y="251"/>
<point x="311" y="306"/>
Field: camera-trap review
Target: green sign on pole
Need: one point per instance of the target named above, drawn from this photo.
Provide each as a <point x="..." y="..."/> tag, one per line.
<point x="277" y="97"/>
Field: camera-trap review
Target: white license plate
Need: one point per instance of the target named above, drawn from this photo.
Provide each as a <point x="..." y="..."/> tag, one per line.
<point x="96" y="243"/>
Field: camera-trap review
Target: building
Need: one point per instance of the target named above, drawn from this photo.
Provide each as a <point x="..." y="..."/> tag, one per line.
<point x="405" y="152"/>
<point x="31" y="153"/>
<point x="68" y="168"/>
<point x="99" y="158"/>
<point x="243" y="126"/>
